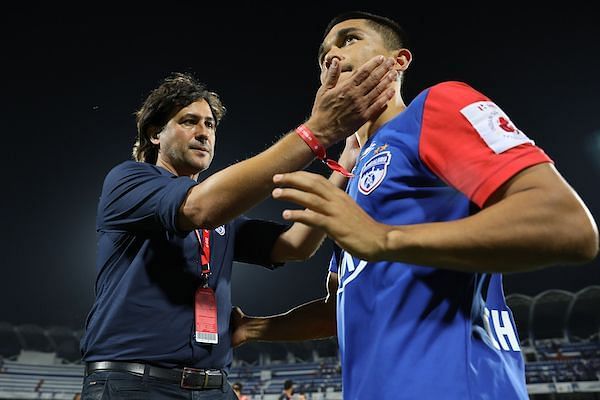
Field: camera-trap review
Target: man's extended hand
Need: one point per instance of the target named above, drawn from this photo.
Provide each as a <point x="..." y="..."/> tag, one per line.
<point x="331" y="209"/>
<point x="340" y="108"/>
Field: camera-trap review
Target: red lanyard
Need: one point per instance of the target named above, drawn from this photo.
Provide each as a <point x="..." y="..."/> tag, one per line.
<point x="204" y="243"/>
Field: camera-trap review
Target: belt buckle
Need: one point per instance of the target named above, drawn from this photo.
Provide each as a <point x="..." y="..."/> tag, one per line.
<point x="188" y="381"/>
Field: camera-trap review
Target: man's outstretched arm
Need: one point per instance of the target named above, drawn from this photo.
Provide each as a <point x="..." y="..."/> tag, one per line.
<point x="313" y="320"/>
<point x="534" y="220"/>
<point x="339" y="110"/>
<point x="301" y="241"/>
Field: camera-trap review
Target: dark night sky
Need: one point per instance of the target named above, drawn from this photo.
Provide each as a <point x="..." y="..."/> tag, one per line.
<point x="71" y="85"/>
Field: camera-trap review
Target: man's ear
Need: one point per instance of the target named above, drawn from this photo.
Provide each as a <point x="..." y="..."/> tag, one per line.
<point x="403" y="59"/>
<point x="154" y="135"/>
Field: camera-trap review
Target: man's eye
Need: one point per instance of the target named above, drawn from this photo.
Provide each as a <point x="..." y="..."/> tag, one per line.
<point x="188" y="122"/>
<point x="209" y="124"/>
<point x="350" y="39"/>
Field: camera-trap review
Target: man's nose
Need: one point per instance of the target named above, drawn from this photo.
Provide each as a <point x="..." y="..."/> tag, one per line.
<point x="201" y="134"/>
<point x="333" y="53"/>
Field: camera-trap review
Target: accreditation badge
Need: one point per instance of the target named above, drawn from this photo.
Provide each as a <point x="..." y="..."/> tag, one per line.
<point x="206" y="316"/>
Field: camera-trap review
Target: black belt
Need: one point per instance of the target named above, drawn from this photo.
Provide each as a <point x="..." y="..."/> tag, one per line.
<point x="188" y="378"/>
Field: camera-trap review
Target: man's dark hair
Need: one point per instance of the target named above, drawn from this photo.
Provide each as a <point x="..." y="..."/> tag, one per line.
<point x="288" y="384"/>
<point x="393" y="34"/>
<point x="177" y="91"/>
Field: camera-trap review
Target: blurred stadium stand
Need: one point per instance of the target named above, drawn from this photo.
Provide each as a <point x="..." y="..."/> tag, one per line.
<point x="559" y="332"/>
<point x="560" y="340"/>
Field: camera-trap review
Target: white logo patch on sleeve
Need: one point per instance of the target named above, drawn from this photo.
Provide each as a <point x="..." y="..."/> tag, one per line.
<point x="494" y="126"/>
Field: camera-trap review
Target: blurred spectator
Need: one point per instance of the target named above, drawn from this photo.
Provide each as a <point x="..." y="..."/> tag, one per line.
<point x="288" y="390"/>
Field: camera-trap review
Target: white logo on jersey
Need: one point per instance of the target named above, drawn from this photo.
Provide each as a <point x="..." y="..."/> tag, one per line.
<point x="373" y="172"/>
<point x="352" y="268"/>
<point x="494" y="126"/>
<point x="220" y="230"/>
<point x="502" y="332"/>
<point x="367" y="151"/>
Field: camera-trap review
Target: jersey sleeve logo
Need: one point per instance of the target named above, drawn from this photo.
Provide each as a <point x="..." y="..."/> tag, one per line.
<point x="373" y="172"/>
<point x="494" y="126"/>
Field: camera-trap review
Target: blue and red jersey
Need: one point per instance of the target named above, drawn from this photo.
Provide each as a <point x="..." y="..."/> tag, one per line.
<point x="417" y="332"/>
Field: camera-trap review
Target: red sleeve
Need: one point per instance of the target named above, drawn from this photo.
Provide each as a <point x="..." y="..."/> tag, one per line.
<point x="472" y="145"/>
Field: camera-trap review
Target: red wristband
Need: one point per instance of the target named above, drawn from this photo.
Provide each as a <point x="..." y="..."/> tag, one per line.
<point x="317" y="148"/>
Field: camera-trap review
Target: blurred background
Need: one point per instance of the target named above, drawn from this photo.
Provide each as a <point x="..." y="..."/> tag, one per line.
<point x="74" y="78"/>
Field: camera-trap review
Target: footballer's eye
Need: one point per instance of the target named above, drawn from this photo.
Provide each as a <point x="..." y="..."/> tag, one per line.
<point x="350" y="39"/>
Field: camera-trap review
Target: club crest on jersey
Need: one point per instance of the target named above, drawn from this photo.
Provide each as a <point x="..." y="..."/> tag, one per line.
<point x="373" y="172"/>
<point x="220" y="230"/>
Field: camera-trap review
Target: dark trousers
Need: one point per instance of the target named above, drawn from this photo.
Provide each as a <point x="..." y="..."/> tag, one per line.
<point x="110" y="385"/>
